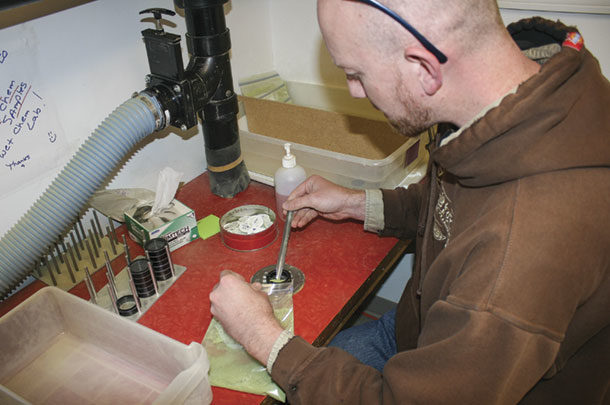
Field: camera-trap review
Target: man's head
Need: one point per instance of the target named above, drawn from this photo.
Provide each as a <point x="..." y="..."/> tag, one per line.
<point x="387" y="64"/>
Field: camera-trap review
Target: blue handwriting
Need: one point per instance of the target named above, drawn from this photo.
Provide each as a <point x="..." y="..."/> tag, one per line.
<point x="6" y="148"/>
<point x="3" y="56"/>
<point x="19" y="163"/>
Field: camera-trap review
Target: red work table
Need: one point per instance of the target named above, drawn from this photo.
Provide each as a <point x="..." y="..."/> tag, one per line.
<point x="342" y="264"/>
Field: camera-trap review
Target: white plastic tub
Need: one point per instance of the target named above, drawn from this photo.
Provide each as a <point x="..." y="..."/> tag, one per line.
<point x="59" y="349"/>
<point x="263" y="155"/>
<point x="349" y="150"/>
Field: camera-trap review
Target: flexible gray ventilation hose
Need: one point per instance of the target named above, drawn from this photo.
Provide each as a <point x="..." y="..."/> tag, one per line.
<point x="25" y="243"/>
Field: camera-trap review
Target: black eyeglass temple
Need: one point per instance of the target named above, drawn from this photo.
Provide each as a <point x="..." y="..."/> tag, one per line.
<point x="434" y="50"/>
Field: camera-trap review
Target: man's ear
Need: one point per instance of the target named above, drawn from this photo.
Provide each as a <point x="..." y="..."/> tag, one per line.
<point x="428" y="68"/>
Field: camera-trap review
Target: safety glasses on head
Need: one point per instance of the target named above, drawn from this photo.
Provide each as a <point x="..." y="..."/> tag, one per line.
<point x="431" y="48"/>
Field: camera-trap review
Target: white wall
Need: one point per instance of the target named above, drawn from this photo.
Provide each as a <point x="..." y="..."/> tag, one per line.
<point x="300" y="54"/>
<point x="93" y="59"/>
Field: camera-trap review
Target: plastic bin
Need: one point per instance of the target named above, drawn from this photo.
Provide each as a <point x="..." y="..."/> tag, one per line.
<point x="267" y="125"/>
<point x="60" y="349"/>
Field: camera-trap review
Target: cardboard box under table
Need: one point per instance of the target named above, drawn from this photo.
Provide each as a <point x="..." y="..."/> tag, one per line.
<point x="176" y="223"/>
<point x="60" y="349"/>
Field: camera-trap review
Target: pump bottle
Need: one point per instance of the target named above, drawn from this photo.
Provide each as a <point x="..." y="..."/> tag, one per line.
<point x="286" y="179"/>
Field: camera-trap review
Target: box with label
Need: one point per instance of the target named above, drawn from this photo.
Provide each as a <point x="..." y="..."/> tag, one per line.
<point x="176" y="223"/>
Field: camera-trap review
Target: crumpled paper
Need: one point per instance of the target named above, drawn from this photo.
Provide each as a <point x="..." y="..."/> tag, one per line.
<point x="143" y="203"/>
<point x="167" y="184"/>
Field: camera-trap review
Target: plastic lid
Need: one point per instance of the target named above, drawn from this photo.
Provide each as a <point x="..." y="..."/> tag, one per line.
<point x="289" y="160"/>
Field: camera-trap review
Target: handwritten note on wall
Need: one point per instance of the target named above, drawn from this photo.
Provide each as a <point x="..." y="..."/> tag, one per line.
<point x="31" y="139"/>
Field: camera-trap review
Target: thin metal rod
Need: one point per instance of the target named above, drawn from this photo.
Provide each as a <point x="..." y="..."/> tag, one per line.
<point x="110" y="222"/>
<point x="97" y="222"/>
<point x="96" y="235"/>
<point x="54" y="260"/>
<point x="63" y="246"/>
<point x="90" y="286"/>
<point x="169" y="259"/>
<point x="37" y="268"/>
<point x="111" y="284"/>
<point x="90" y="254"/>
<point x="281" y="259"/>
<point x="126" y="249"/>
<point x="97" y="253"/>
<point x="76" y="249"/>
<point x="47" y="265"/>
<point x="82" y="231"/>
<point x="108" y="266"/>
<point x="152" y="274"/>
<point x="134" y="292"/>
<point x="61" y="259"/>
<point x="112" y="243"/>
<point x="112" y="294"/>
<point x="69" y="267"/>
<point x="70" y="250"/>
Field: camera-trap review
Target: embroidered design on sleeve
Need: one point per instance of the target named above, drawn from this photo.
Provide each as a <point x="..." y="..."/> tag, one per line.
<point x="443" y="215"/>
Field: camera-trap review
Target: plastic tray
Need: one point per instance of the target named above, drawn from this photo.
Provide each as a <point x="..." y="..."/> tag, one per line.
<point x="60" y="349"/>
<point x="263" y="156"/>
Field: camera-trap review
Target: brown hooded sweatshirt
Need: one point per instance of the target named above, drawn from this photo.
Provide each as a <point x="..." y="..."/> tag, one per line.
<point x="510" y="295"/>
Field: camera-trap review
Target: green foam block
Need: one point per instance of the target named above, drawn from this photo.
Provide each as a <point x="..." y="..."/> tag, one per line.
<point x="208" y="226"/>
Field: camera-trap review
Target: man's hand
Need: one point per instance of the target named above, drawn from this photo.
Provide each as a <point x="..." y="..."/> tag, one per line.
<point x="318" y="196"/>
<point x="246" y="314"/>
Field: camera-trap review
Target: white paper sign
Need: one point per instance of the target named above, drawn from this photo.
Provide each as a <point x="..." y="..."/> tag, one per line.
<point x="31" y="138"/>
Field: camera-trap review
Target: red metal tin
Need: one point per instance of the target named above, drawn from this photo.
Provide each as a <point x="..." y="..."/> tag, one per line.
<point x="253" y="241"/>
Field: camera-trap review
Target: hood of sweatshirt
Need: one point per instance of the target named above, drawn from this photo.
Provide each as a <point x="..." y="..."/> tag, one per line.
<point x="548" y="124"/>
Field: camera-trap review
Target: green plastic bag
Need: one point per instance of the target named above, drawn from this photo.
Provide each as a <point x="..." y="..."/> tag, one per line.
<point x="231" y="366"/>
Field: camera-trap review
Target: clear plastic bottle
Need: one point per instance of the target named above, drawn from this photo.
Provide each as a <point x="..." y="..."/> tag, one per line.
<point x="286" y="179"/>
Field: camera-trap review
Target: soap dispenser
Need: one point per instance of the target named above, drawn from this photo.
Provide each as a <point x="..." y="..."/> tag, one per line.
<point x="286" y="179"/>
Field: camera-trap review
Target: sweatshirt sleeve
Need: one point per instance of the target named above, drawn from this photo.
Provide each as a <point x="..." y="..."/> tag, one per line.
<point x="458" y="346"/>
<point x="401" y="208"/>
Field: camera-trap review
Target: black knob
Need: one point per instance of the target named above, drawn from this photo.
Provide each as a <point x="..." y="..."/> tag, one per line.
<point x="157" y="14"/>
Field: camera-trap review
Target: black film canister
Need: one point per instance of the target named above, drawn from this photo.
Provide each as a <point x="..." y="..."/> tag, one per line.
<point x="157" y="251"/>
<point x="141" y="278"/>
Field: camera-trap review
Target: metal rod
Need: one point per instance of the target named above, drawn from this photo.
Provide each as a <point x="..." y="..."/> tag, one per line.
<point x="97" y="236"/>
<point x="111" y="283"/>
<point x="169" y="259"/>
<point x="282" y="256"/>
<point x="152" y="274"/>
<point x="134" y="292"/>
<point x="70" y="270"/>
<point x="63" y="246"/>
<point x="82" y="231"/>
<point x="126" y="249"/>
<point x="108" y="266"/>
<point x="70" y="250"/>
<point x="75" y="246"/>
<point x="90" y="286"/>
<point x="97" y="222"/>
<point x="97" y="253"/>
<point x="112" y="243"/>
<point x="61" y="259"/>
<point x="112" y="294"/>
<point x="46" y="264"/>
<point x="110" y="222"/>
<point x="90" y="254"/>
<point x="37" y="268"/>
<point x="54" y="260"/>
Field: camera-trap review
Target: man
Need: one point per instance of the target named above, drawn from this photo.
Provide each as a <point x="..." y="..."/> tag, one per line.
<point x="510" y="295"/>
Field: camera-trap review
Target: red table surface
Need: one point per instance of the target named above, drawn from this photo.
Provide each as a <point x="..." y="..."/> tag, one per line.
<point x="336" y="258"/>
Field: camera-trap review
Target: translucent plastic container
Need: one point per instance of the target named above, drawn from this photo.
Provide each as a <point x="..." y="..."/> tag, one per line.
<point x="345" y="148"/>
<point x="60" y="349"/>
<point x="263" y="155"/>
